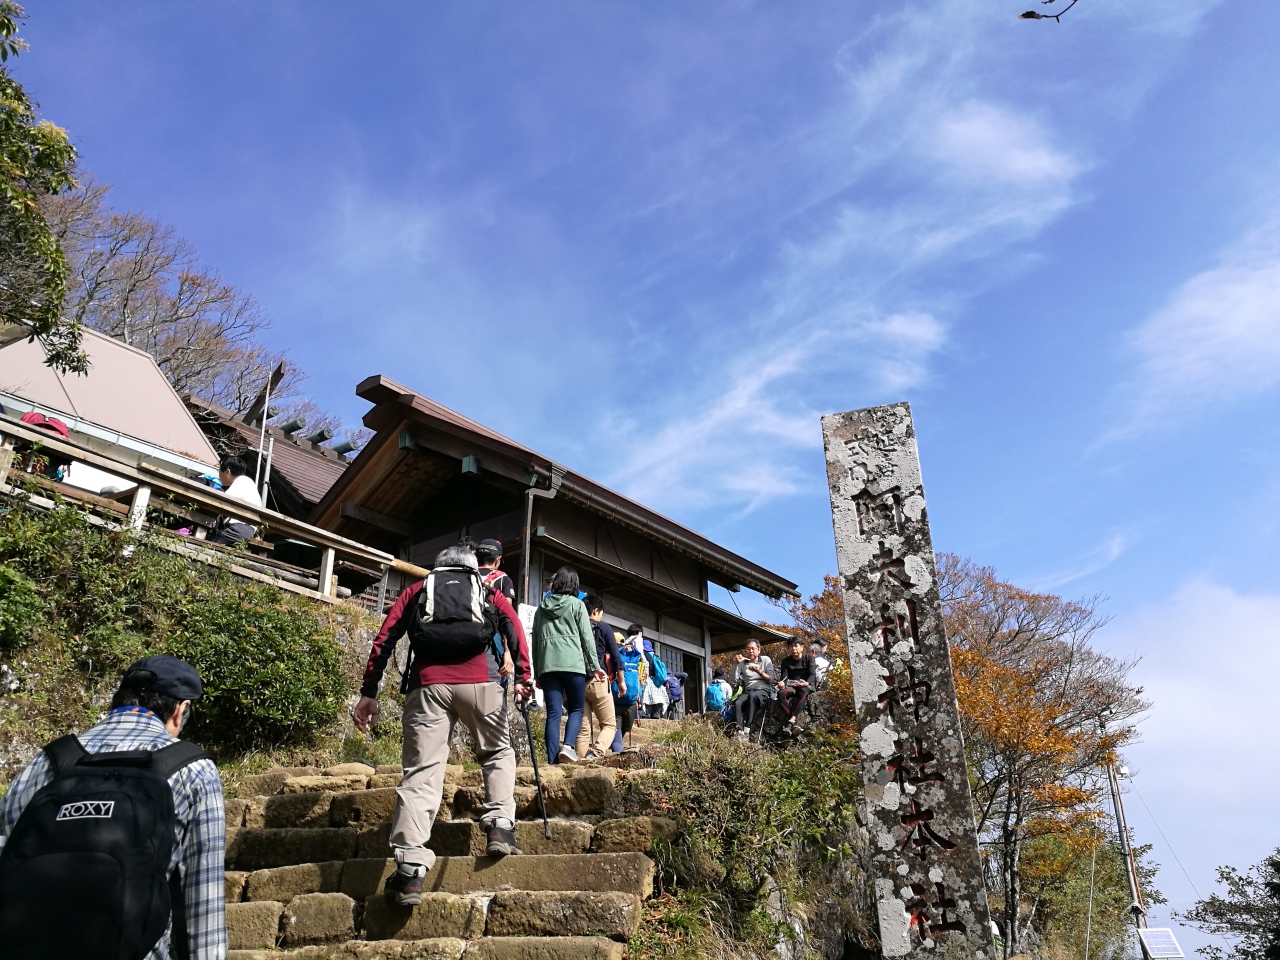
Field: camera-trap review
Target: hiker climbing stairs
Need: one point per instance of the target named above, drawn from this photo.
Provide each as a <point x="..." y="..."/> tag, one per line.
<point x="307" y="857"/>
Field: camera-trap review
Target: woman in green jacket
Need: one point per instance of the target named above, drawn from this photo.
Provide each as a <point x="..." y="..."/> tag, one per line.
<point x="564" y="653"/>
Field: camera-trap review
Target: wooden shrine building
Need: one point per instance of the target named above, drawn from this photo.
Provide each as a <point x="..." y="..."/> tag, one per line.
<point x="431" y="476"/>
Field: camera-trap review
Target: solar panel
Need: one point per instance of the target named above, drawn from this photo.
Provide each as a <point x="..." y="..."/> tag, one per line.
<point x="1160" y="942"/>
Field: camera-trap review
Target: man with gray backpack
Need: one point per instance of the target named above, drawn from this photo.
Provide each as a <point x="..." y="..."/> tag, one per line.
<point x="451" y="619"/>
<point x="114" y="840"/>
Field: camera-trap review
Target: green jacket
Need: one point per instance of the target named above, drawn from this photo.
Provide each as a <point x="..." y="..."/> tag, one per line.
<point x="562" y="637"/>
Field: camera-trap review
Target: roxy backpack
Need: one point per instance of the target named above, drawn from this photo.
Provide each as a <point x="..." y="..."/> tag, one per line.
<point x="449" y="623"/>
<point x="85" y="872"/>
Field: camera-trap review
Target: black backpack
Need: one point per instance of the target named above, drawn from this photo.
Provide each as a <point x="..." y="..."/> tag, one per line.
<point x="85" y="872"/>
<point x="452" y="620"/>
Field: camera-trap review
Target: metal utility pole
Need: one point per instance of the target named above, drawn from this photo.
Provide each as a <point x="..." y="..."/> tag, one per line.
<point x="1136" y="906"/>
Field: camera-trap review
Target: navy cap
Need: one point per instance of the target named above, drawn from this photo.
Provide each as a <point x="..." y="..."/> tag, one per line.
<point x="490" y="546"/>
<point x="174" y="678"/>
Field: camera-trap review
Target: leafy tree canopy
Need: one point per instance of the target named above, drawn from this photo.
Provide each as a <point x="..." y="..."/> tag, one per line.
<point x="1248" y="912"/>
<point x="36" y="161"/>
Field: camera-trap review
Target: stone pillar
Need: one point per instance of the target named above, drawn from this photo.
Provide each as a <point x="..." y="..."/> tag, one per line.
<point x="930" y="895"/>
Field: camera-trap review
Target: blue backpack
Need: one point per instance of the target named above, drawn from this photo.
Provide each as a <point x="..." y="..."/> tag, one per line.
<point x="658" y="669"/>
<point x="715" y="696"/>
<point x="631" y="674"/>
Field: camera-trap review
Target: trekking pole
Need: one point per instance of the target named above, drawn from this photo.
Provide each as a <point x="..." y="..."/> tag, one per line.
<point x="523" y="707"/>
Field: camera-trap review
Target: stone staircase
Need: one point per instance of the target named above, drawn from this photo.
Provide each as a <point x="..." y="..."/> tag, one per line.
<point x="307" y="856"/>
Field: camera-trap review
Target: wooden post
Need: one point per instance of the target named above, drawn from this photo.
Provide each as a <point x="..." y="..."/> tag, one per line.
<point x="327" y="557"/>
<point x="138" y="508"/>
<point x="6" y="459"/>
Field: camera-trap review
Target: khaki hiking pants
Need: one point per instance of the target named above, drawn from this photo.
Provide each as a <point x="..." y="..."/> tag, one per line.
<point x="429" y="715"/>
<point x="600" y="718"/>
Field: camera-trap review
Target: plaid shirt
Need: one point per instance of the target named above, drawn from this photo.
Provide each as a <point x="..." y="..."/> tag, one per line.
<point x="202" y="828"/>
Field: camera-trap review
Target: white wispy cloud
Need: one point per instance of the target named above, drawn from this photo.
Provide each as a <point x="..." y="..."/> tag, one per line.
<point x="1210" y="655"/>
<point x="1216" y="340"/>
<point x="916" y="168"/>
<point x="1101" y="557"/>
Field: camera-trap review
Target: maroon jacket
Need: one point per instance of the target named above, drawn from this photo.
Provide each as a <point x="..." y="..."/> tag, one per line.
<point x="481" y="668"/>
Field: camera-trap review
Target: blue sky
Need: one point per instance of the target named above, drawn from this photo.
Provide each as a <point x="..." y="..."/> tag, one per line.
<point x="658" y="241"/>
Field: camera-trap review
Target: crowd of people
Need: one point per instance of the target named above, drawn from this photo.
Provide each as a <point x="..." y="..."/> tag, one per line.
<point x="468" y="654"/>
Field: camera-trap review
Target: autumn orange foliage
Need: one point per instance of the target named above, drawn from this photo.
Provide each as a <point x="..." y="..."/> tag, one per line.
<point x="1032" y="692"/>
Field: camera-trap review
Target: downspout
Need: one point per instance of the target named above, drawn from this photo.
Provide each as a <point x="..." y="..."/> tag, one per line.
<point x="556" y="475"/>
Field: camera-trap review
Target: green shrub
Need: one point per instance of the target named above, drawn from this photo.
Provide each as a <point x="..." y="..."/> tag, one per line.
<point x="20" y="607"/>
<point x="271" y="673"/>
<point x="754" y="823"/>
<point x="271" y="662"/>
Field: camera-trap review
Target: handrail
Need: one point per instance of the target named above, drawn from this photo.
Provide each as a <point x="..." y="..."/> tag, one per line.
<point x="165" y="482"/>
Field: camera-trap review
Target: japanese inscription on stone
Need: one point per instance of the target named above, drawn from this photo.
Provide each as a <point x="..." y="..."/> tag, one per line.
<point x="930" y="895"/>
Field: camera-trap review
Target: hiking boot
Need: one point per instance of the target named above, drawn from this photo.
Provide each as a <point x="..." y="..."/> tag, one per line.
<point x="567" y="755"/>
<point x="404" y="889"/>
<point x="502" y="841"/>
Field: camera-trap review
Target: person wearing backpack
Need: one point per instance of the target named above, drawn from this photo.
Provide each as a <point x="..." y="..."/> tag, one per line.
<point x="451" y="619"/>
<point x="489" y="560"/>
<point x="627" y="690"/>
<point x="718" y="692"/>
<point x="600" y="711"/>
<point x="564" y="658"/>
<point x="114" y="840"/>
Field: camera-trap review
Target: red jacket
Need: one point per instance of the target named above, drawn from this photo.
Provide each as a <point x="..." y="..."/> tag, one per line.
<point x="481" y="668"/>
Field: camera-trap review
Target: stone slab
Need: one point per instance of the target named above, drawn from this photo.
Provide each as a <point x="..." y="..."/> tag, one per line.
<point x="363" y="806"/>
<point x="439" y="915"/>
<point x="253" y="926"/>
<point x="318" y="918"/>
<point x="545" y="948"/>
<point x="594" y="872"/>
<point x="319" y="784"/>
<point x="261" y="849"/>
<point x="233" y="846"/>
<point x="374" y="841"/>
<point x="924" y="857"/>
<point x="234" y="885"/>
<point x="437" y="949"/>
<point x="632" y="833"/>
<point x="380" y="781"/>
<point x="234" y="811"/>
<point x="356" y="769"/>
<point x="385" y="768"/>
<point x="285" y="883"/>
<point x="269" y="782"/>
<point x="556" y="913"/>
<point x="296" y="810"/>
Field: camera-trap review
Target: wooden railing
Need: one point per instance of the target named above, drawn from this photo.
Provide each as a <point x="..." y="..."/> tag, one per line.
<point x="160" y="489"/>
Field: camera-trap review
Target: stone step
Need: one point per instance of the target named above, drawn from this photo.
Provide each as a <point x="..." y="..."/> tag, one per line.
<point x="622" y="872"/>
<point x="250" y="849"/>
<point x="490" y="948"/>
<point x="507" y="913"/>
<point x="335" y="918"/>
<point x="585" y="790"/>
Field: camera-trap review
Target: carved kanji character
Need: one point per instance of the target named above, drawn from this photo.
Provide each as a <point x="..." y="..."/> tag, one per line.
<point x="905" y="691"/>
<point x="909" y="766"/>
<point x="930" y="917"/>
<point x="920" y="835"/>
<point x="894" y="628"/>
<point x="879" y="514"/>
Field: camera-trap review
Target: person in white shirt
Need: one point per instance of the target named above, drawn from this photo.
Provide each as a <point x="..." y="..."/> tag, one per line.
<point x="820" y="662"/>
<point x="236" y="484"/>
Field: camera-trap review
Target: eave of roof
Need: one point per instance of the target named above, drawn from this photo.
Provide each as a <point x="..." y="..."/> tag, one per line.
<point x="386" y="393"/>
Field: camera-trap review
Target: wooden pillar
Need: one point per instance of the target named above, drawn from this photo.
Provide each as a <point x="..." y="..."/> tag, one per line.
<point x="6" y="459"/>
<point x="138" y="508"/>
<point x="327" y="557"/>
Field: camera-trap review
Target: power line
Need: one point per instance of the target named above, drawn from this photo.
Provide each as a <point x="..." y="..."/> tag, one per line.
<point x="1166" y="841"/>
